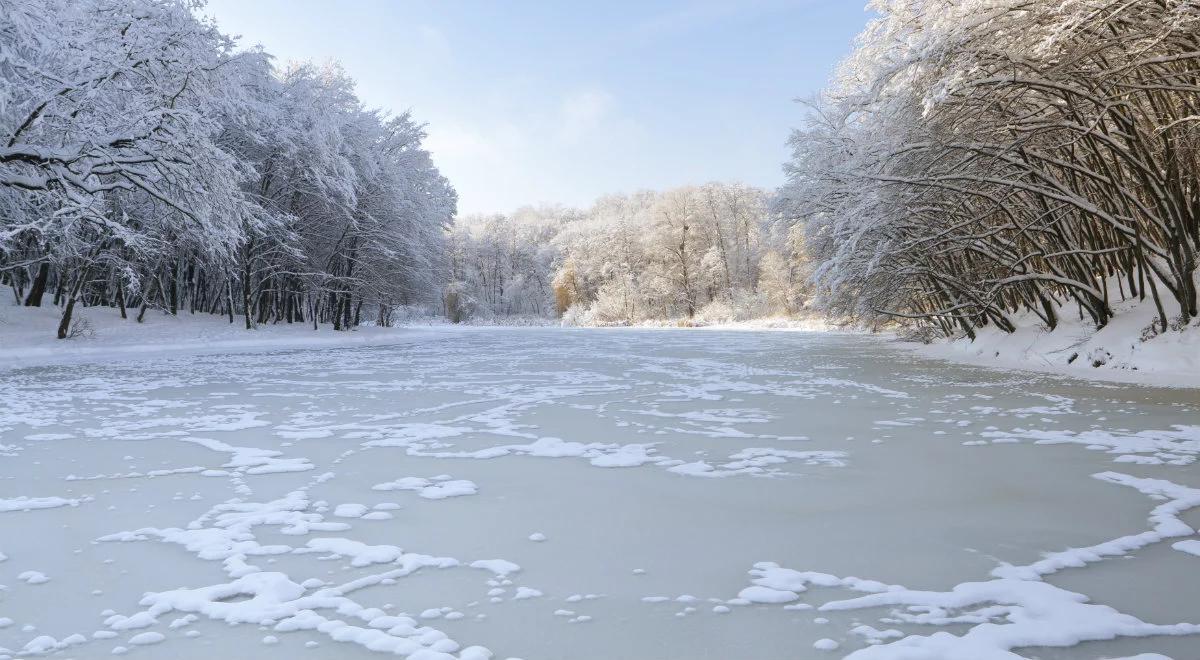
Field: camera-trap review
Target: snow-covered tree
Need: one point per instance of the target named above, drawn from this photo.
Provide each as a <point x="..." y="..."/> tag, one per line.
<point x="683" y="253"/>
<point x="975" y="159"/>
<point x="145" y="162"/>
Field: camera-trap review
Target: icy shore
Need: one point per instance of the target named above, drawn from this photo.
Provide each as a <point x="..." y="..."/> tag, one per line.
<point x="1126" y="350"/>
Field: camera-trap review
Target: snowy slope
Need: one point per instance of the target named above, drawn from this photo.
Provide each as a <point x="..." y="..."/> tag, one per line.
<point x="27" y="336"/>
<point x="1122" y="351"/>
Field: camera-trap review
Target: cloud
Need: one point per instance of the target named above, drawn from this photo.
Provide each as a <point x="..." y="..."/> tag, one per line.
<point x="499" y="164"/>
<point x="450" y="143"/>
<point x="582" y="113"/>
<point x="491" y="164"/>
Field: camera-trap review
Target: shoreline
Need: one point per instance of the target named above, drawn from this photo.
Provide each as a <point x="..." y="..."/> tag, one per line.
<point x="26" y="340"/>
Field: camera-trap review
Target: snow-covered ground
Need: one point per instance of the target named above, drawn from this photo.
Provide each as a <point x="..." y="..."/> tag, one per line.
<point x="1122" y="351"/>
<point x="27" y="336"/>
<point x="587" y="493"/>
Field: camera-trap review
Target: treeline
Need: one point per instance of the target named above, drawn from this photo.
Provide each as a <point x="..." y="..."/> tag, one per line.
<point x="712" y="253"/>
<point x="145" y="164"/>
<point x="977" y="160"/>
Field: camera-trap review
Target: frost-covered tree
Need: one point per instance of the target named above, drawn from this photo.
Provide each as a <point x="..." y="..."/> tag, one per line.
<point x="145" y="162"/>
<point x="689" y="252"/>
<point x="978" y="159"/>
<point x="108" y="125"/>
<point x="503" y="266"/>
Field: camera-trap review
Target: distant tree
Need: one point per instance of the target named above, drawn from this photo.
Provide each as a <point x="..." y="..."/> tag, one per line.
<point x="626" y="259"/>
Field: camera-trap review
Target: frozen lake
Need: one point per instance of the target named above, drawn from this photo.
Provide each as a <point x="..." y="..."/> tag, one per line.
<point x="594" y="494"/>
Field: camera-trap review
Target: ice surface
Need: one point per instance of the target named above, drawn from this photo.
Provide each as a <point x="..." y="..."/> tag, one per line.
<point x="232" y="505"/>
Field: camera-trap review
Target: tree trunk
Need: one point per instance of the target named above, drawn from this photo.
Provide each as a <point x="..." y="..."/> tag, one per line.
<point x="34" y="299"/>
<point x="64" y="325"/>
<point x="229" y="297"/>
<point x="121" y="298"/>
<point x="173" y="293"/>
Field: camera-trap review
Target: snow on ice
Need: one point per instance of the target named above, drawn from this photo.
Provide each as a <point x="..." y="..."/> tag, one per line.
<point x="264" y="511"/>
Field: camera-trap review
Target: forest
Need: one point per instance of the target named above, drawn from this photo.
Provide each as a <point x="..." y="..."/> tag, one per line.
<point x="970" y="164"/>
<point x="974" y="161"/>
<point x="147" y="164"/>
<point x="698" y="254"/>
<point x="475" y="330"/>
<point x="150" y="165"/>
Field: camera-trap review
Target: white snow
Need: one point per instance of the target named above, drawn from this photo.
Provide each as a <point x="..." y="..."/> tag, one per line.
<point x="1037" y="613"/>
<point x="431" y="489"/>
<point x="147" y="638"/>
<point x="225" y="503"/>
<point x="350" y="510"/>
<point x="1192" y="546"/>
<point x="500" y="567"/>
<point x="760" y="594"/>
<point x="29" y="338"/>
<point x="31" y="503"/>
<point x="1116" y="352"/>
<point x="33" y="577"/>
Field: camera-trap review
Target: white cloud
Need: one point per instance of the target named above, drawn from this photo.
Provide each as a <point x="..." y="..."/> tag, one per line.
<point x="490" y="164"/>
<point x="449" y="143"/>
<point x="498" y="165"/>
<point x="582" y="114"/>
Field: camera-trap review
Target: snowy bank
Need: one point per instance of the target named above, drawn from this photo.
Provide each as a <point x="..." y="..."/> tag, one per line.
<point x="799" y="324"/>
<point x="1129" y="349"/>
<point x="27" y="336"/>
<point x="805" y="323"/>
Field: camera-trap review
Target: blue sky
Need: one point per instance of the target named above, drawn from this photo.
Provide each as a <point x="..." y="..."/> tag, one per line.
<point x="561" y="102"/>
